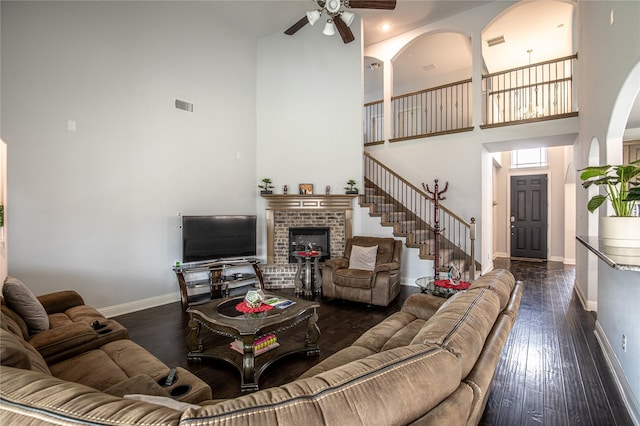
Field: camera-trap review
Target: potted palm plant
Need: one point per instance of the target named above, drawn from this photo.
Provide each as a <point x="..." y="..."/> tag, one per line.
<point x="620" y="233"/>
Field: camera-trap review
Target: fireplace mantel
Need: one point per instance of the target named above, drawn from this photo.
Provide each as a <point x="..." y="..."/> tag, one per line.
<point x="311" y="201"/>
<point x="306" y="203"/>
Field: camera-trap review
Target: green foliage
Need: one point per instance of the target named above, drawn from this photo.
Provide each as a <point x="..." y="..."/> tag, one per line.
<point x="266" y="185"/>
<point x="352" y="185"/>
<point x="621" y="184"/>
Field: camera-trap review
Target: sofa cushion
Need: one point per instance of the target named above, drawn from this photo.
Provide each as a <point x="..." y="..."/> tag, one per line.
<point x="463" y="325"/>
<point x="353" y="278"/>
<point x="500" y="281"/>
<point x="24" y="302"/>
<point x="378" y="335"/>
<point x="363" y="258"/>
<point x="109" y="365"/>
<point x="342" y="357"/>
<point x="392" y="387"/>
<point x="48" y="400"/>
<point x="15" y="352"/>
<point x="13" y="322"/>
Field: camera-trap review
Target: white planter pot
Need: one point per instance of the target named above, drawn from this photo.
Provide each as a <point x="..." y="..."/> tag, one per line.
<point x="620" y="239"/>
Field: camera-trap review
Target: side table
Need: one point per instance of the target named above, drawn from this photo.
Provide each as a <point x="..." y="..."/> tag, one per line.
<point x="307" y="281"/>
<point x="430" y="285"/>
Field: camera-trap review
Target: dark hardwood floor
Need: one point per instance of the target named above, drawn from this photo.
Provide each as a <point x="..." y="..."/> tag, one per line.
<point x="551" y="372"/>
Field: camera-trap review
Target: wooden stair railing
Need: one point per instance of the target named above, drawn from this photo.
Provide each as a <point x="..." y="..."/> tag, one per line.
<point x="410" y="212"/>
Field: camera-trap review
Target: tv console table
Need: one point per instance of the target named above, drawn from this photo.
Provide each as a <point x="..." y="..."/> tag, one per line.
<point x="217" y="281"/>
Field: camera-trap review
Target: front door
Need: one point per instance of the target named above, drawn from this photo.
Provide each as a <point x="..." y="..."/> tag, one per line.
<point x="529" y="216"/>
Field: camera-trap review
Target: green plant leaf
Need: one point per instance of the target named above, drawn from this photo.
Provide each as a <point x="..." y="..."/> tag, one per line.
<point x="596" y="202"/>
<point x="591" y="172"/>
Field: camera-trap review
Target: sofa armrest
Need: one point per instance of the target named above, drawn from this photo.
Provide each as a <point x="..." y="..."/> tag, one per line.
<point x="337" y="263"/>
<point x="389" y="266"/>
<point x="139" y="384"/>
<point x="61" y="339"/>
<point x="60" y="301"/>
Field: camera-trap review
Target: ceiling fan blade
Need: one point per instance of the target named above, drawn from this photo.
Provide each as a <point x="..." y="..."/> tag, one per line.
<point x="373" y="4"/>
<point x="297" y="26"/>
<point x="345" y="32"/>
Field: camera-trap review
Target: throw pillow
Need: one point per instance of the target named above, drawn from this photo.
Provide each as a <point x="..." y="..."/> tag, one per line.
<point x="24" y="303"/>
<point x="363" y="258"/>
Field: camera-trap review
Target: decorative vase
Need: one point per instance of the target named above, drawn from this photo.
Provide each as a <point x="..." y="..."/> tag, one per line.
<point x="620" y="238"/>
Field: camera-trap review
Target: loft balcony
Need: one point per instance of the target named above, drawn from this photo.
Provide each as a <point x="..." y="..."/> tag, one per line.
<point x="535" y="92"/>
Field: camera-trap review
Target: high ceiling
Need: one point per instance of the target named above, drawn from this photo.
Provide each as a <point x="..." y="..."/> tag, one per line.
<point x="263" y="17"/>
<point x="536" y="26"/>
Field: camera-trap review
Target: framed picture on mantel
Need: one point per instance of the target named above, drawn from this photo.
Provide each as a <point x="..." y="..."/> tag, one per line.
<point x="306" y="188"/>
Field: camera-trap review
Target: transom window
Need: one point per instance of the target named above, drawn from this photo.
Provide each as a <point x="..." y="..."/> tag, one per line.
<point x="533" y="157"/>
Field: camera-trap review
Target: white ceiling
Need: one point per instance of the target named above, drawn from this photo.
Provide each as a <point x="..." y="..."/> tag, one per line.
<point x="544" y="27"/>
<point x="263" y="17"/>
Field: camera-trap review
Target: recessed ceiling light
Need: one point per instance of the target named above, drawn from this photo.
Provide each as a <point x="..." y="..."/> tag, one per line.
<point x="386" y="27"/>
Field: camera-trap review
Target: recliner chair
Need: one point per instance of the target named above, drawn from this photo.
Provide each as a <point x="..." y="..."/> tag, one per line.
<point x="373" y="283"/>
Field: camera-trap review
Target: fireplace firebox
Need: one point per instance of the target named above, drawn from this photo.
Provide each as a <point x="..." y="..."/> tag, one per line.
<point x="303" y="238"/>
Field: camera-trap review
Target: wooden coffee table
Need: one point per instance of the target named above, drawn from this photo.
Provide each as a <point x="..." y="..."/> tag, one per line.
<point x="221" y="318"/>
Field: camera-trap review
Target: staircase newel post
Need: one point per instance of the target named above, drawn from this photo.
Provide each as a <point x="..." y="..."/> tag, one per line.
<point x="436" y="196"/>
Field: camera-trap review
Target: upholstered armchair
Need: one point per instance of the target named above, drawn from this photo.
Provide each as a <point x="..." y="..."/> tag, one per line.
<point x="369" y="272"/>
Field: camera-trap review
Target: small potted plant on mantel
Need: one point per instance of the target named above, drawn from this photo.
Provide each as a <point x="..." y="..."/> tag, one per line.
<point x="622" y="189"/>
<point x="351" y="189"/>
<point x="266" y="186"/>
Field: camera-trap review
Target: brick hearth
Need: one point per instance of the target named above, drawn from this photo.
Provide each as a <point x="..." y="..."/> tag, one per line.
<point x="285" y="211"/>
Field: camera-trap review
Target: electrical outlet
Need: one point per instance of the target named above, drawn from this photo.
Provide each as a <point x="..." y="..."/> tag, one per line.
<point x="624" y="343"/>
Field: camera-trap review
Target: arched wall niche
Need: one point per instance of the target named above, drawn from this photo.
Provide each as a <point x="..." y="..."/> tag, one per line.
<point x="426" y="61"/>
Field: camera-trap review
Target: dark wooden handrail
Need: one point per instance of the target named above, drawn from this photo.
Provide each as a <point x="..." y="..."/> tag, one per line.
<point x="524" y="67"/>
<point x="414" y="188"/>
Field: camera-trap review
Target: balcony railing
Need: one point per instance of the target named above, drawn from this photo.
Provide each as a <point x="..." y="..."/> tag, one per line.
<point x="534" y="92"/>
<point x="374" y="123"/>
<point x="439" y="110"/>
<point x="540" y="91"/>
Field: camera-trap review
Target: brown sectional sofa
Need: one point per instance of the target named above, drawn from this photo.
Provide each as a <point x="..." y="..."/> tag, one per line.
<point x="82" y="346"/>
<point x="431" y="363"/>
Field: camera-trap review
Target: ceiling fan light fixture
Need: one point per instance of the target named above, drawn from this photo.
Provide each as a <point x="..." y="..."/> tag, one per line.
<point x="329" y="29"/>
<point x="333" y="6"/>
<point x="347" y="17"/>
<point x="313" y="16"/>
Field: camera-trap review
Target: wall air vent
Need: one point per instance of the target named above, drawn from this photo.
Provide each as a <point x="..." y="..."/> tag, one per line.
<point x="184" y="105"/>
<point x="495" y="41"/>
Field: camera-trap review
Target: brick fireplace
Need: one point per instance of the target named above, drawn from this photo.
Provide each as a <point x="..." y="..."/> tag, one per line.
<point x="309" y="211"/>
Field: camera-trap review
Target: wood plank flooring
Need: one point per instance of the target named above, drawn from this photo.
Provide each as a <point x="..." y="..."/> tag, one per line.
<point x="551" y="372"/>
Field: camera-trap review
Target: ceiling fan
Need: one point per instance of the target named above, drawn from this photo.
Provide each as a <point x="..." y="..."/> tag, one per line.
<point x="339" y="17"/>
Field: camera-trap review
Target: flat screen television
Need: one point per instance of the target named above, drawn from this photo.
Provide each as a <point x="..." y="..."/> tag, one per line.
<point x="206" y="238"/>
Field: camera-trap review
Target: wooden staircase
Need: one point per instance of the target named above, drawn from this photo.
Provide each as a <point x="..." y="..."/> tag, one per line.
<point x="411" y="217"/>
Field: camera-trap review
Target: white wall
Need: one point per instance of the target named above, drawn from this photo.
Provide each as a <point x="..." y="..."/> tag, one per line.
<point x="309" y="107"/>
<point x="609" y="54"/>
<point x="95" y="209"/>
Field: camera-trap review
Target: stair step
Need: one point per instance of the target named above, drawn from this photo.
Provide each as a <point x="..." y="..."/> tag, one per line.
<point x="406" y="226"/>
<point x="396" y="216"/>
<point x="385" y="207"/>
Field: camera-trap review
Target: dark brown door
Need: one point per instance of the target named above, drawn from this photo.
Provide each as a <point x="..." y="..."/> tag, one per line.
<point x="529" y="216"/>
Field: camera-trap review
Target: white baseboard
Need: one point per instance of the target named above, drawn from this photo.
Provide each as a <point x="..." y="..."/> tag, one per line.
<point x="138" y="305"/>
<point x="569" y="261"/>
<point x="499" y="254"/>
<point x="618" y="374"/>
<point x="591" y="306"/>
<point x="556" y="259"/>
